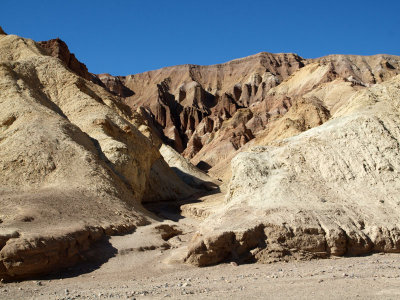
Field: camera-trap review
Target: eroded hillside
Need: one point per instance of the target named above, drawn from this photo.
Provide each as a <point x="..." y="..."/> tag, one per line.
<point x="207" y="113"/>
<point x="75" y="163"/>
<point x="308" y="150"/>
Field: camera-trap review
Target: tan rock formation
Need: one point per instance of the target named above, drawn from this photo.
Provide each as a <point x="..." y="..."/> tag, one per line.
<point x="114" y="84"/>
<point x="331" y="190"/>
<point x="73" y="168"/>
<point x="186" y="171"/>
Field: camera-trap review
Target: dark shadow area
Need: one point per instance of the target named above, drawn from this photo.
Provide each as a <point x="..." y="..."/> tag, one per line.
<point x="171" y="210"/>
<point x="99" y="253"/>
<point x="202" y="165"/>
<point x="167" y="210"/>
<point x="124" y="90"/>
<point x="194" y="181"/>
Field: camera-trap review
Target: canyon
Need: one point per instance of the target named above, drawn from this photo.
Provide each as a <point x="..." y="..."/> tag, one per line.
<point x="270" y="158"/>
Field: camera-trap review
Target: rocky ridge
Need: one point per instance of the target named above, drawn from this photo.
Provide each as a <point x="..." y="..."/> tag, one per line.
<point x="193" y="107"/>
<point x="187" y="105"/>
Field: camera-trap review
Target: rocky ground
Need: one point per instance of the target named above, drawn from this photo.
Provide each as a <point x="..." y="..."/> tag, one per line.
<point x="144" y="276"/>
<point x="147" y="264"/>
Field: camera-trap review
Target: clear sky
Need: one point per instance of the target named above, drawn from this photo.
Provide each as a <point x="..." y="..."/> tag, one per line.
<point x="127" y="37"/>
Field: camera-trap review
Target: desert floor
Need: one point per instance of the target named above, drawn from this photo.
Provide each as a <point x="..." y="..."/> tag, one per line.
<point x="131" y="271"/>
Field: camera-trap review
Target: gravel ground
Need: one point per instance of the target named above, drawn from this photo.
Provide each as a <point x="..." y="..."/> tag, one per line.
<point x="142" y="276"/>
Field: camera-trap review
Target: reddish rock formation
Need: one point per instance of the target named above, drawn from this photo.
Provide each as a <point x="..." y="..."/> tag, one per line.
<point x="114" y="84"/>
<point x="181" y="97"/>
<point x="189" y="105"/>
<point x="59" y="49"/>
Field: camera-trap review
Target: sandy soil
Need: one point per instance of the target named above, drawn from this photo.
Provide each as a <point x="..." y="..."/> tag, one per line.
<point x="142" y="265"/>
<point x="134" y="271"/>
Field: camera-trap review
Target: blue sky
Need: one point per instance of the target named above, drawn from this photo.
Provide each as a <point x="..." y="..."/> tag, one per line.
<point x="127" y="37"/>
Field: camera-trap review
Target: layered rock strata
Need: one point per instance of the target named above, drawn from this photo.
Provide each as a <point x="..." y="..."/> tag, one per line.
<point x="332" y="190"/>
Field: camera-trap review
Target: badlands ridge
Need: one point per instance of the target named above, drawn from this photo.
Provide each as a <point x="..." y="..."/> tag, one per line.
<point x="273" y="157"/>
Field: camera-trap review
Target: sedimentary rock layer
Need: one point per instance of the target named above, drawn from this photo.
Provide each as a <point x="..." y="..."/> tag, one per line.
<point x="332" y="190"/>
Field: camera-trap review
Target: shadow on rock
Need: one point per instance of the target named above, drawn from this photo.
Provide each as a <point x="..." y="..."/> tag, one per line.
<point x="171" y="210"/>
<point x="99" y="253"/>
<point x="194" y="181"/>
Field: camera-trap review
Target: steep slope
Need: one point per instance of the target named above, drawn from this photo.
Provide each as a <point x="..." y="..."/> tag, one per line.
<point x="181" y="98"/>
<point x="193" y="107"/>
<point x="74" y="168"/>
<point x="307" y="98"/>
<point x="187" y="105"/>
<point x="332" y="190"/>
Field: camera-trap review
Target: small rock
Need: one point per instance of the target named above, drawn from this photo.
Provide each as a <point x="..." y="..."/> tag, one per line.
<point x="234" y="264"/>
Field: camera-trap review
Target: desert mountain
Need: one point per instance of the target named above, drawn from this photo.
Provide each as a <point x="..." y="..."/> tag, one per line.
<point x="208" y="112"/>
<point x="308" y="150"/>
<point x="68" y="147"/>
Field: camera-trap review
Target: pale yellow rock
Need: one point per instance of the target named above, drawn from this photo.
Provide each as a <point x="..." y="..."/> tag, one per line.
<point x="73" y="168"/>
<point x="331" y="190"/>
